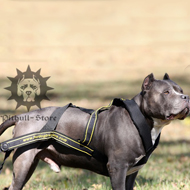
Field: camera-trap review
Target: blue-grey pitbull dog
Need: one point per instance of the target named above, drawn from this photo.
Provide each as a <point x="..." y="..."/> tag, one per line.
<point x="160" y="101"/>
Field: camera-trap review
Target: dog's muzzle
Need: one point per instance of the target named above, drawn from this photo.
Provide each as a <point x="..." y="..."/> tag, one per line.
<point x="181" y="115"/>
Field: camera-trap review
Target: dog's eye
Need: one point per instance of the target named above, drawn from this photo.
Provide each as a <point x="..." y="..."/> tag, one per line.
<point x="33" y="87"/>
<point x="23" y="87"/>
<point x="166" y="92"/>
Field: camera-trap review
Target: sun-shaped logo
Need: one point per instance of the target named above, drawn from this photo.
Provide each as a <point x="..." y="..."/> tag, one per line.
<point x="28" y="88"/>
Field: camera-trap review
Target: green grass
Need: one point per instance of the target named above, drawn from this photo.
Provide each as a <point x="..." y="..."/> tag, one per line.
<point x="167" y="169"/>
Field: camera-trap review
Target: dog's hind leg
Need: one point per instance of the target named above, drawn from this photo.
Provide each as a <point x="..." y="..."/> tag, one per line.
<point x="24" y="164"/>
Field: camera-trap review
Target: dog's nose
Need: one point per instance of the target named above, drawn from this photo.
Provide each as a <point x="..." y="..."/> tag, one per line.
<point x="28" y="92"/>
<point x="186" y="97"/>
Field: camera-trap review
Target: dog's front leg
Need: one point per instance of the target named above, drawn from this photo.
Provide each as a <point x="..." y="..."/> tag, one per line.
<point x="130" y="180"/>
<point x="117" y="172"/>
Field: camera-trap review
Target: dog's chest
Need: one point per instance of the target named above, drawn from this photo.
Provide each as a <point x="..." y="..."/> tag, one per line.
<point x="154" y="135"/>
<point x="135" y="168"/>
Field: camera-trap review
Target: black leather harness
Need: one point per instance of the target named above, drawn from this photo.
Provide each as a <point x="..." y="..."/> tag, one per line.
<point x="48" y="132"/>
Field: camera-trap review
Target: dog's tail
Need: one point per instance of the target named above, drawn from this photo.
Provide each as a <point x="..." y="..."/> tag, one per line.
<point x="6" y="124"/>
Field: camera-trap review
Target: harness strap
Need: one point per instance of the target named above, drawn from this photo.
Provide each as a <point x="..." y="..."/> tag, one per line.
<point x="48" y="132"/>
<point x="145" y="158"/>
<point x="89" y="131"/>
<point x="52" y="123"/>
<point x="89" y="111"/>
<point x="136" y="116"/>
<point x="9" y="145"/>
<point x="30" y="138"/>
<point x="140" y="123"/>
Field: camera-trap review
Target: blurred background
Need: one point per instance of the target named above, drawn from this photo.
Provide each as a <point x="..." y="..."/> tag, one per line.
<point x="95" y="50"/>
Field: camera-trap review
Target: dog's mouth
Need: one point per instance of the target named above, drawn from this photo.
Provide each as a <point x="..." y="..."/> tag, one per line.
<point x="181" y="115"/>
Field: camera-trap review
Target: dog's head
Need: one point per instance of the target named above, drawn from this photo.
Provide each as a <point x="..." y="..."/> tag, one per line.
<point x="164" y="99"/>
<point x="28" y="88"/>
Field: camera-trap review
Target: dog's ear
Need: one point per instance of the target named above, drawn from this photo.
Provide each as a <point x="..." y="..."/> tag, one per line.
<point x="19" y="92"/>
<point x="147" y="83"/>
<point x="38" y="91"/>
<point x="166" y="77"/>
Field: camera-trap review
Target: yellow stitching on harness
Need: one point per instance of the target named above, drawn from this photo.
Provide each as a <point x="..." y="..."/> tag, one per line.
<point x="58" y="139"/>
<point x="75" y="148"/>
<point x="46" y="136"/>
<point x="87" y="128"/>
<point x="27" y="139"/>
<point x="96" y="116"/>
<point x="74" y="141"/>
<point x="20" y="138"/>
<point x="12" y="147"/>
